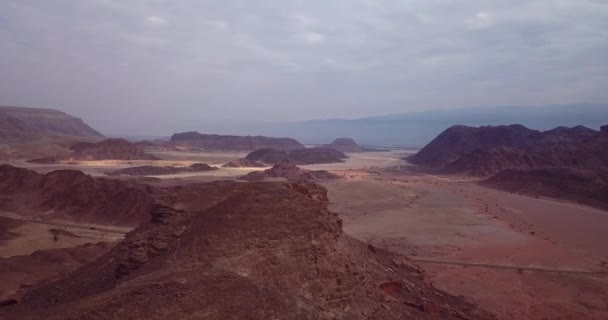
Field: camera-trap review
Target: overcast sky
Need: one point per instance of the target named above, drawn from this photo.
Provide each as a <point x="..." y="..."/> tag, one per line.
<point x="148" y="66"/>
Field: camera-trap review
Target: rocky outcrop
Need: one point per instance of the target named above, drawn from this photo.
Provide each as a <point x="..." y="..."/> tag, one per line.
<point x="72" y="195"/>
<point x="158" y="171"/>
<point x="245" y="251"/>
<point x="243" y="163"/>
<point x="604" y="129"/>
<point x="565" y="163"/>
<point x="110" y="149"/>
<point x="300" y="156"/>
<point x="226" y="142"/>
<point x="27" y="121"/>
<point x="344" y="145"/>
<point x="457" y="141"/>
<point x="488" y="150"/>
<point x="269" y="156"/>
<point x="289" y="171"/>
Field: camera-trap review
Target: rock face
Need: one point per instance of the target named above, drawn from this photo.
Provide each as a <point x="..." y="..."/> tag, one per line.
<point x="72" y="195"/>
<point x="158" y="171"/>
<point x="288" y="170"/>
<point x="300" y="156"/>
<point x="26" y="121"/>
<point x="110" y="149"/>
<point x="244" y="251"/>
<point x="488" y="162"/>
<point x="583" y="186"/>
<point x="223" y="142"/>
<point x="344" y="145"/>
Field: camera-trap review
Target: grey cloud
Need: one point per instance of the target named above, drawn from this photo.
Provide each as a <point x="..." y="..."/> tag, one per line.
<point x="154" y="66"/>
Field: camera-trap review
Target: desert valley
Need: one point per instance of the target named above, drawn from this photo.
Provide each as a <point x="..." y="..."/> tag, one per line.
<point x="491" y="222"/>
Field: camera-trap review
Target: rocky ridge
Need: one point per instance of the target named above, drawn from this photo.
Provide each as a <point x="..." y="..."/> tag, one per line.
<point x="231" y="250"/>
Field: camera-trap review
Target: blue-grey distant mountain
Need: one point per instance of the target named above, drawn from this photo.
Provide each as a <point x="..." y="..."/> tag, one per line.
<point x="418" y="128"/>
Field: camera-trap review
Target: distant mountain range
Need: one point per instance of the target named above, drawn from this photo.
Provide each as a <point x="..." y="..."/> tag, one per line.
<point x="415" y="129"/>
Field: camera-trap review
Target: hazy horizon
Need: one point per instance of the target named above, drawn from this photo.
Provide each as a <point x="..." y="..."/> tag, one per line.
<point x="153" y="66"/>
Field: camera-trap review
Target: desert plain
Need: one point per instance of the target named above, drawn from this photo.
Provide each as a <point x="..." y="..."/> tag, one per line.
<point x="517" y="256"/>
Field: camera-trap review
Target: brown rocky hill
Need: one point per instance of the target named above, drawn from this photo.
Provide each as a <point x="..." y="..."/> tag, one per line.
<point x="45" y="121"/>
<point x="467" y="149"/>
<point x="457" y="141"/>
<point x="289" y="171"/>
<point x="344" y="145"/>
<point x="300" y="156"/>
<point x="564" y="163"/>
<point x="157" y="171"/>
<point x="72" y="195"/>
<point x="589" y="153"/>
<point x="230" y="250"/>
<point x="582" y="186"/>
<point x="268" y="156"/>
<point x="110" y="149"/>
<point x="227" y="142"/>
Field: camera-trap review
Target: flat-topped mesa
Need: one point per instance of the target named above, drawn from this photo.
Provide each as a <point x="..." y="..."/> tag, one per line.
<point x="229" y="142"/>
<point x="110" y="149"/>
<point x="604" y="128"/>
<point x="244" y="251"/>
<point x="19" y="121"/>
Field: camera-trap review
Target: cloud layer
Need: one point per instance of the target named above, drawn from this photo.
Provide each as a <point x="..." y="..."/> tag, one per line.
<point x="153" y="66"/>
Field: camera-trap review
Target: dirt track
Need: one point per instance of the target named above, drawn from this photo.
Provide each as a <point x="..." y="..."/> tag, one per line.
<point x="518" y="268"/>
